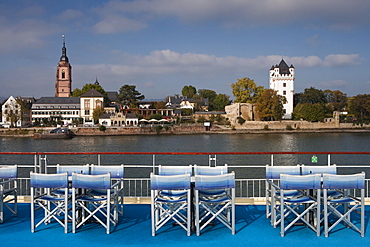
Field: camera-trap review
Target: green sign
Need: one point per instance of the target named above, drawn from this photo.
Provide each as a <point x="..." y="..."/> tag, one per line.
<point x="314" y="159"/>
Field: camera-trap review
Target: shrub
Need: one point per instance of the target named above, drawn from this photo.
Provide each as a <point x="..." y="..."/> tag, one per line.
<point x="266" y="127"/>
<point x="102" y="128"/>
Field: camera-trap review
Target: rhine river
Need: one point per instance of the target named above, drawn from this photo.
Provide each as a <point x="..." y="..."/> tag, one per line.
<point x="270" y="142"/>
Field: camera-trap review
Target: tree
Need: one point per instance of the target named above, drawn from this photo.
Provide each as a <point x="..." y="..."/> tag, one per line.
<point x="220" y="102"/>
<point x="310" y="112"/>
<point x="128" y="95"/>
<point x="245" y="90"/>
<point x="360" y="106"/>
<point x="210" y="95"/>
<point x="97" y="113"/>
<point x="337" y="101"/>
<point x="159" y="105"/>
<point x="188" y="91"/>
<point x="270" y="105"/>
<point x="310" y="95"/>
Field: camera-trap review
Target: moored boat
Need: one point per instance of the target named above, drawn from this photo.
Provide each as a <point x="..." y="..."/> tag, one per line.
<point x="58" y="133"/>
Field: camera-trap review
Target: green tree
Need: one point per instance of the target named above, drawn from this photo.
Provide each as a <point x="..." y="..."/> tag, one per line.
<point x="310" y="112"/>
<point x="188" y="91"/>
<point x="156" y="116"/>
<point x="210" y="95"/>
<point x="310" y="95"/>
<point x="220" y="102"/>
<point x="270" y="105"/>
<point x="128" y="95"/>
<point x="246" y="90"/>
<point x="360" y="106"/>
<point x="337" y="101"/>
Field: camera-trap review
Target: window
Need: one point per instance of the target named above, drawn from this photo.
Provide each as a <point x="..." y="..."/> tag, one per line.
<point x="284" y="92"/>
<point x="63" y="74"/>
<point x="284" y="84"/>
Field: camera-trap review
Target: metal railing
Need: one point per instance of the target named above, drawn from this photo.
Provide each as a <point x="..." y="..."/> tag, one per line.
<point x="250" y="182"/>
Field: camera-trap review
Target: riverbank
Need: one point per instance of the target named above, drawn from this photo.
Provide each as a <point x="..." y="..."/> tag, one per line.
<point x="185" y="129"/>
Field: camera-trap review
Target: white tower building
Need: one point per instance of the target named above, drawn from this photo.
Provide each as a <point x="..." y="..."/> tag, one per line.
<point x="282" y="81"/>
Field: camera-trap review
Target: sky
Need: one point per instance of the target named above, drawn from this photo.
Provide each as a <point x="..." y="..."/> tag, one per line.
<point x="162" y="45"/>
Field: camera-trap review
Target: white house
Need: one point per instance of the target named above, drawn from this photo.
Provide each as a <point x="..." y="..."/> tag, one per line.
<point x="14" y="112"/>
<point x="89" y="101"/>
<point x="282" y="81"/>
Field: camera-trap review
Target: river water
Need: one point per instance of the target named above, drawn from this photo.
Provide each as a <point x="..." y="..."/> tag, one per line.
<point x="270" y="142"/>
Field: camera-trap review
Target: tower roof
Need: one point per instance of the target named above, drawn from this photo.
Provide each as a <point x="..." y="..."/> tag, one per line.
<point x="64" y="57"/>
<point x="283" y="68"/>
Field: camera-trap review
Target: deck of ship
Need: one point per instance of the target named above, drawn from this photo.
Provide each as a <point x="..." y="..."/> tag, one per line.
<point x="252" y="229"/>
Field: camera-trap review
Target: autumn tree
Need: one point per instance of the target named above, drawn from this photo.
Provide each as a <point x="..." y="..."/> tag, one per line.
<point x="188" y="91"/>
<point x="360" y="106"/>
<point x="97" y="113"/>
<point x="270" y="105"/>
<point x="128" y="95"/>
<point x="246" y="90"/>
<point x="159" y="105"/>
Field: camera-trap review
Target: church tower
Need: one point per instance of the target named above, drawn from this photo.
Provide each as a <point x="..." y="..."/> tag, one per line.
<point x="282" y="81"/>
<point x="63" y="84"/>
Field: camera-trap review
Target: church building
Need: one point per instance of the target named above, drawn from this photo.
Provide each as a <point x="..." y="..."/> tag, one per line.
<point x="63" y="84"/>
<point x="282" y="81"/>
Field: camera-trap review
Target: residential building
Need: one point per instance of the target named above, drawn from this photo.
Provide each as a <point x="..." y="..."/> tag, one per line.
<point x="282" y="81"/>
<point x="16" y="111"/>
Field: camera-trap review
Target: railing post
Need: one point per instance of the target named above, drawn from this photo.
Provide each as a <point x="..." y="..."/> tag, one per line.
<point x="272" y="159"/>
<point x="153" y="163"/>
<point x="328" y="159"/>
<point x="98" y="159"/>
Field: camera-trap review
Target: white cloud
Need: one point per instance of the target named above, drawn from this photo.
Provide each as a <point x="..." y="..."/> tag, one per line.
<point x="335" y="60"/>
<point x="162" y="62"/>
<point x="115" y="23"/>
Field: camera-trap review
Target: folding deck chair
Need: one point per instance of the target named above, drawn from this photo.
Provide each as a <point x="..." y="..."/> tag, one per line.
<point x="87" y="206"/>
<point x="170" y="201"/>
<point x="298" y="208"/>
<point x="55" y="205"/>
<point x="349" y="207"/>
<point x="210" y="204"/>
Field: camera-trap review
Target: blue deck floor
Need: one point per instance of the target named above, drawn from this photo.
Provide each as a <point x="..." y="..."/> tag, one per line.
<point x="253" y="229"/>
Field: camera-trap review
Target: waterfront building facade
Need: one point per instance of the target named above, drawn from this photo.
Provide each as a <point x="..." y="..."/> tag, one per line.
<point x="58" y="109"/>
<point x="282" y="81"/>
<point x="63" y="84"/>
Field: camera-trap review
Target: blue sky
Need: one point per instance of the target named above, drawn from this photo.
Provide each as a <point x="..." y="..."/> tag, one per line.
<point x="162" y="45"/>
